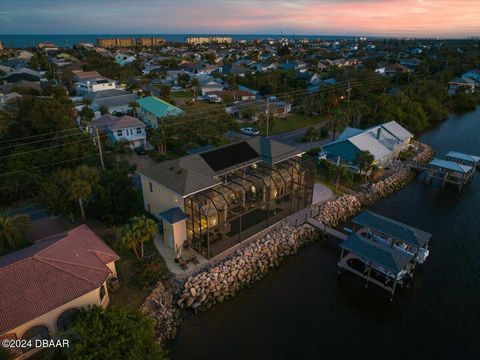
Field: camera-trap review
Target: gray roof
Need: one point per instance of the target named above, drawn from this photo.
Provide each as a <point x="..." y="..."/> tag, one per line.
<point x="192" y="173"/>
<point x="392" y="228"/>
<point x="108" y="121"/>
<point x="464" y="157"/>
<point x="173" y="215"/>
<point x="112" y="98"/>
<point x="393" y="260"/>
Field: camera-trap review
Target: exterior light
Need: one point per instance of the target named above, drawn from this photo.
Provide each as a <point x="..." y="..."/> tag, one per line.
<point x="253" y="189"/>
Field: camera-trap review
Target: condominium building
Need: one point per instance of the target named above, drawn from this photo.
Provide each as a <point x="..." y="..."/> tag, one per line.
<point x="131" y="42"/>
<point x="219" y="198"/>
<point x="199" y="40"/>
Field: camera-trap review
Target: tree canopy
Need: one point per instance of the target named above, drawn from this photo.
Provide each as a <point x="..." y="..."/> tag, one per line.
<point x="112" y="333"/>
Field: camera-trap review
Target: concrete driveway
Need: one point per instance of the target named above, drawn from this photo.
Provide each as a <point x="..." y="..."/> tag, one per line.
<point x="321" y="193"/>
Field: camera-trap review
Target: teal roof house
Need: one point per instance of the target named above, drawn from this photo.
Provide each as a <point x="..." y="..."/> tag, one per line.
<point x="152" y="110"/>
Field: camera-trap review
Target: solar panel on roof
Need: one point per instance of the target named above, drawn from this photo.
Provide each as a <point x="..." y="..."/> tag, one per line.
<point x="228" y="156"/>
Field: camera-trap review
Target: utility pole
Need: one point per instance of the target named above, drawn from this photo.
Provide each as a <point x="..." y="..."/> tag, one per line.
<point x="349" y="88"/>
<point x="268" y="113"/>
<point x="99" y="144"/>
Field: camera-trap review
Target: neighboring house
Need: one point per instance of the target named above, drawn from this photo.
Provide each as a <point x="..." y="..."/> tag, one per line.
<point x="237" y="95"/>
<point x="43" y="286"/>
<point x="410" y="63"/>
<point x="233" y="69"/>
<point x="294" y="65"/>
<point x="309" y="77"/>
<point x="461" y="84"/>
<point x="24" y="74"/>
<point x="218" y="198"/>
<point x="394" y="69"/>
<point x="152" y="110"/>
<point x="322" y="66"/>
<point x="6" y="98"/>
<point x="384" y="142"/>
<point x="474" y="75"/>
<point x="94" y="84"/>
<point x="124" y="59"/>
<point x="209" y="85"/>
<point x="115" y="100"/>
<point x="79" y="75"/>
<point x="125" y="128"/>
<point x="274" y="107"/>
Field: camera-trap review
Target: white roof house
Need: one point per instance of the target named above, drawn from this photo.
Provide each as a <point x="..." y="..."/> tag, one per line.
<point x="383" y="141"/>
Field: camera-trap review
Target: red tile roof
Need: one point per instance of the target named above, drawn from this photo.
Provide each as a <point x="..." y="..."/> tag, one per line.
<point x="50" y="273"/>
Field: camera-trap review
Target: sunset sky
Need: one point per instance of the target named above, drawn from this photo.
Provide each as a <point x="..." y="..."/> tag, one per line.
<point x="422" y="18"/>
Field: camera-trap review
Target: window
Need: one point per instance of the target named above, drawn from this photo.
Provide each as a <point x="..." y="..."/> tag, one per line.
<point x="151" y="186"/>
<point x="38" y="332"/>
<point x="119" y="133"/>
<point x="102" y="293"/>
<point x="139" y="130"/>
<point x="66" y="318"/>
<point x="149" y="210"/>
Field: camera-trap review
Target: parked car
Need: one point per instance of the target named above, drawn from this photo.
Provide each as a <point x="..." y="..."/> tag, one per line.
<point x="140" y="150"/>
<point x="249" y="131"/>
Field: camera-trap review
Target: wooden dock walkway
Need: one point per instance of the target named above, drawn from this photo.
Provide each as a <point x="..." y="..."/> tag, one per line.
<point x="326" y="229"/>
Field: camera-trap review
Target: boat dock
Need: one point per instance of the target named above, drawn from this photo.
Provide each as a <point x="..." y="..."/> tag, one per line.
<point x="380" y="250"/>
<point x="326" y="229"/>
<point x="376" y="263"/>
<point x="457" y="169"/>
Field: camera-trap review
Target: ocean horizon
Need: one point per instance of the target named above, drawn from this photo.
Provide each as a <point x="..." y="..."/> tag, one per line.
<point x="68" y="40"/>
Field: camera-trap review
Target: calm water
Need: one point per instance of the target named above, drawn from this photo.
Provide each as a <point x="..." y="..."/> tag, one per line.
<point x="24" y="41"/>
<point x="302" y="310"/>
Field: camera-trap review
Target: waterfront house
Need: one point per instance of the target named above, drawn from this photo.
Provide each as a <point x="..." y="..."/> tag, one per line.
<point x="152" y="110"/>
<point x="384" y="142"/>
<point x="43" y="286"/>
<point x="214" y="200"/>
<point x="461" y="84"/>
<point x="124" y="128"/>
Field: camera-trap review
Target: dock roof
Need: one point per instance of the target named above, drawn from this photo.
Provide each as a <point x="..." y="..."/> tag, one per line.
<point x="450" y="165"/>
<point x="392" y="228"/>
<point x="464" y="157"/>
<point x="389" y="258"/>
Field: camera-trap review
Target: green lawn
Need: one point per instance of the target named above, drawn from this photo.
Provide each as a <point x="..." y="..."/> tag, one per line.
<point x="292" y="122"/>
<point x="182" y="94"/>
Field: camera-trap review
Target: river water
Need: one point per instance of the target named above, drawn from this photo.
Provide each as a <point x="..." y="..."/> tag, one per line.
<point x="303" y="310"/>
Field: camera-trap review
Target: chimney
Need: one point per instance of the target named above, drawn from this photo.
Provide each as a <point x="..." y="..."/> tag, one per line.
<point x="378" y="132"/>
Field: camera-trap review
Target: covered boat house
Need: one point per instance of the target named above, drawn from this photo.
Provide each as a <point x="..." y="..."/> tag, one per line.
<point x="393" y="234"/>
<point x="376" y="263"/>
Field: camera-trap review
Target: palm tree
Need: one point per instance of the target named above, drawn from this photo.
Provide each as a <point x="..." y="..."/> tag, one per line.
<point x="130" y="240"/>
<point x="81" y="187"/>
<point x="137" y="232"/>
<point x="364" y="161"/>
<point x="146" y="229"/>
<point x="12" y="230"/>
